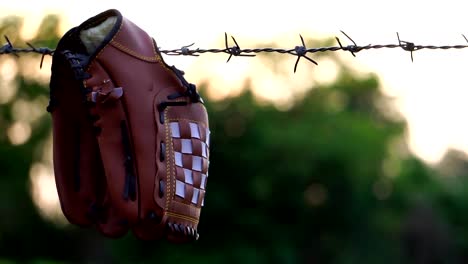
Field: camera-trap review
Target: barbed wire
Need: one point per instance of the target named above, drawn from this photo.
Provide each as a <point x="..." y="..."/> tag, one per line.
<point x="300" y="51"/>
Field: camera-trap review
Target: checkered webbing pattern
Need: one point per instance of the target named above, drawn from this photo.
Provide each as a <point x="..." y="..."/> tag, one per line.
<point x="191" y="158"/>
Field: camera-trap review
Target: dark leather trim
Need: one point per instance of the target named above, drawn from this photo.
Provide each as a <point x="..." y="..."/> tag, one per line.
<point x="91" y="22"/>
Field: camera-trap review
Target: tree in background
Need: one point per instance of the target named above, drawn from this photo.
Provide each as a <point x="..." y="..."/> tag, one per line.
<point x="329" y="180"/>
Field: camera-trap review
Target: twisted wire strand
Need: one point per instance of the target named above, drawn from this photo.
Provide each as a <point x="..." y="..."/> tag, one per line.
<point x="299" y="51"/>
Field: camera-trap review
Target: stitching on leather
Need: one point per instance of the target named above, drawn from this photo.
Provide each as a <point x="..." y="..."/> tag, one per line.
<point x="134" y="53"/>
<point x="154" y="51"/>
<point x="188" y="204"/>
<point x="168" y="161"/>
<point x="190" y="120"/>
<point x="183" y="217"/>
<point x="173" y="171"/>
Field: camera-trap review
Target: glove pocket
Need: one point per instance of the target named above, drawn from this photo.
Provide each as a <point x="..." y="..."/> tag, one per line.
<point x="119" y="209"/>
<point x="118" y="159"/>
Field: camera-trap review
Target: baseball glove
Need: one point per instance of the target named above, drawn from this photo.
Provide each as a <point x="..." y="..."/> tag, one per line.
<point x="130" y="134"/>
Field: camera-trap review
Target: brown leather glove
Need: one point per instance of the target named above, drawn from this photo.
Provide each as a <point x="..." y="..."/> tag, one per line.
<point x="131" y="135"/>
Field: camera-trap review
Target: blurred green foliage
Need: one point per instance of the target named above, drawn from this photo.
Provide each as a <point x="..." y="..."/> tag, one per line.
<point x="329" y="180"/>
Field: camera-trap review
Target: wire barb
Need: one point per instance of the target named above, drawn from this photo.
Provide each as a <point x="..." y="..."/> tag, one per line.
<point x="300" y="51"/>
<point x="234" y="50"/>
<point x="185" y="50"/>
<point x="406" y="45"/>
<point x="353" y="49"/>
<point x="43" y="51"/>
<point x="8" y="48"/>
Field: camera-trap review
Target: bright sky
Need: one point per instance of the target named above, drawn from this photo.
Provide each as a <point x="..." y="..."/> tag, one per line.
<point x="431" y="92"/>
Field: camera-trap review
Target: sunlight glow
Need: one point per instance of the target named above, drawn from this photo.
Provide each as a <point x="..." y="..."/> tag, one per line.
<point x="44" y="193"/>
<point x="8" y="90"/>
<point x="327" y="72"/>
<point x="30" y="68"/>
<point x="430" y="92"/>
<point x="8" y="87"/>
<point x="19" y="133"/>
<point x="28" y="111"/>
<point x="221" y="85"/>
<point x="8" y="69"/>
